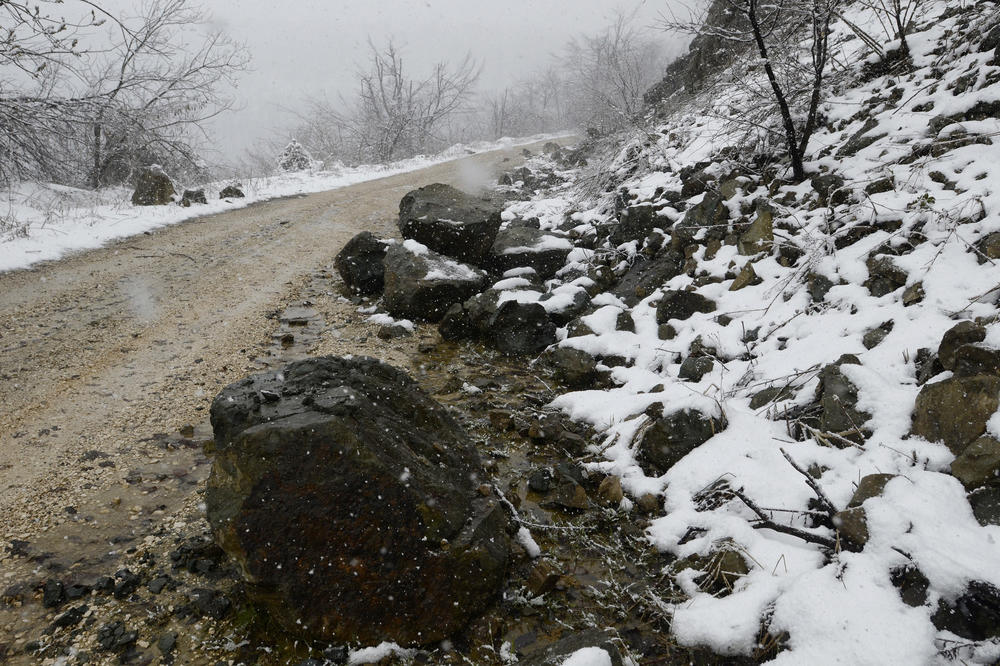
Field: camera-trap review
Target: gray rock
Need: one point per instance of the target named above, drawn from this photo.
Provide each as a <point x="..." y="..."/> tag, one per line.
<point x="838" y="399"/>
<point x="671" y="438"/>
<point x="974" y="615"/>
<point x="450" y="222"/>
<point x="557" y="653"/>
<point x="522" y="246"/>
<point x="962" y="333"/>
<point x="575" y="368"/>
<point x="978" y="464"/>
<point x="681" y="305"/>
<point x="973" y="359"/>
<point x="647" y="275"/>
<point x="351" y="488"/>
<point x="707" y="219"/>
<point x="361" y="264"/>
<point x="637" y="222"/>
<point x="193" y="197"/>
<point x="424" y="284"/>
<point x="985" y="503"/>
<point x="831" y="190"/>
<point x="695" y="367"/>
<point x="521" y="328"/>
<point x="955" y="411"/>
<point x="231" y="192"/>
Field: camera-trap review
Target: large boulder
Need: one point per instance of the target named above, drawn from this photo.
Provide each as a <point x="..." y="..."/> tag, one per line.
<point x="518" y="247"/>
<point x="153" y="188"/>
<point x="361" y="264"/>
<point x="955" y="411"/>
<point x="670" y="438"/>
<point x="348" y="498"/>
<point x="450" y="222"/>
<point x="679" y="304"/>
<point x="422" y="284"/>
<point x="647" y="275"/>
<point x="637" y="222"/>
<point x="504" y="324"/>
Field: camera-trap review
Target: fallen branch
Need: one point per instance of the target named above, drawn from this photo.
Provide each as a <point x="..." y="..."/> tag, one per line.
<point x="765" y="522"/>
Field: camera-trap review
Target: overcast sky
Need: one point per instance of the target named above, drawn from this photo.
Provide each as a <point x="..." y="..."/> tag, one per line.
<point x="303" y="47"/>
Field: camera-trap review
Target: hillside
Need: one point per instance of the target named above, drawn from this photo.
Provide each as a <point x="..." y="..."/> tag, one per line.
<point x="805" y="374"/>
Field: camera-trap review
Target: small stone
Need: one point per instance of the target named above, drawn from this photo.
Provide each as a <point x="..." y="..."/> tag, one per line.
<point x="70" y="618"/>
<point x="695" y="367"/>
<point x="648" y="503"/>
<point x="978" y="464"/>
<point x="747" y="278"/>
<point x="53" y="593"/>
<point x="543" y="578"/>
<point x="913" y="294"/>
<point x="610" y="491"/>
<point x="540" y="481"/>
<point x="501" y="419"/>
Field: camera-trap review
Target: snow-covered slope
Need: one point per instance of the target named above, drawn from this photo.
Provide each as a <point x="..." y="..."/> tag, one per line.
<point x="882" y="252"/>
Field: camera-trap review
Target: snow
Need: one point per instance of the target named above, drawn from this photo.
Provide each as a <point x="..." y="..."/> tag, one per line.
<point x="382" y="319"/>
<point x="43" y="222"/>
<point x="588" y="656"/>
<point x="373" y="655"/>
<point x="839" y="607"/>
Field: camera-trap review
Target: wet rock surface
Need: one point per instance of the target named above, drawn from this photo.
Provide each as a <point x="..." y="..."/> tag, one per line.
<point x="450" y="222"/>
<point x="350" y="487"/>
<point x="422" y="284"/>
<point x="361" y="264"/>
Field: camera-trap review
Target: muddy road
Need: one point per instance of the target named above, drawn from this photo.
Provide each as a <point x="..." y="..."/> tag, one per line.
<point x="106" y="354"/>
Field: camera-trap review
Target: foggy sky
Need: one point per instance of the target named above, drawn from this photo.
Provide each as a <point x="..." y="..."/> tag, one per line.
<point x="303" y="47"/>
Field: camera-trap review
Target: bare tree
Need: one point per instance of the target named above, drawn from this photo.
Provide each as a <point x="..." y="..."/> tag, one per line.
<point x="72" y="103"/>
<point x="153" y="89"/>
<point x="895" y="18"/>
<point x="392" y="115"/>
<point x="795" y="73"/>
<point x="610" y="71"/>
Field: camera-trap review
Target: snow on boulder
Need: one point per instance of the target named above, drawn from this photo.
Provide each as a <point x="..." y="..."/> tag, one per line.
<point x="519" y="247"/>
<point x="348" y="497"/>
<point x="422" y="284"/>
<point x="586" y="648"/>
<point x="450" y="222"/>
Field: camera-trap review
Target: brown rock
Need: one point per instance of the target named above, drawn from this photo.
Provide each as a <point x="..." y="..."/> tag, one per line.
<point x="610" y="490"/>
<point x="979" y="464"/>
<point x="955" y="411"/>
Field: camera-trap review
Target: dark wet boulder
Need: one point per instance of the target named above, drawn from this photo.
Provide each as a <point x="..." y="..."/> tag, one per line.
<point x="695" y="367"/>
<point x="636" y="222"/>
<point x="971" y="360"/>
<point x="450" y="222"/>
<point x="647" y="275"/>
<point x="979" y="464"/>
<point x="422" y="284"/>
<point x="705" y="220"/>
<point x="670" y="438"/>
<point x="361" y="264"/>
<point x="191" y="197"/>
<point x="521" y="328"/>
<point x="508" y="326"/>
<point x="575" y="368"/>
<point x="677" y="304"/>
<point x="974" y="615"/>
<point x="348" y="498"/>
<point x="153" y="188"/>
<point x="519" y="247"/>
<point x="955" y="411"/>
<point x="231" y="192"/>
<point x="592" y="642"/>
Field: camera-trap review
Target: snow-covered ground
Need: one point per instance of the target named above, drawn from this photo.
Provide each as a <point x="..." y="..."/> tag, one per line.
<point x="42" y="222"/>
<point x="938" y="199"/>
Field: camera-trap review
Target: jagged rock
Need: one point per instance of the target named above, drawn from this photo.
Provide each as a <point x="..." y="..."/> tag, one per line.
<point x="955" y="411"/>
<point x="912" y="585"/>
<point x="361" y="264"/>
<point x="681" y="305"/>
<point x="672" y="437"/>
<point x="874" y="337"/>
<point x="707" y="219"/>
<point x="625" y="322"/>
<point x="972" y="359"/>
<point x="831" y="190"/>
<point x="852" y="523"/>
<point x="450" y="222"/>
<point x="561" y="310"/>
<point x="338" y="484"/>
<point x="838" y="399"/>
<point x="913" y="294"/>
<point x="522" y="246"/>
<point x="985" y="503"/>
<point x="747" y="277"/>
<point x="521" y="328"/>
<point x="422" y="284"/>
<point x="153" y="188"/>
<point x="193" y="197"/>
<point x="974" y="615"/>
<point x="592" y="641"/>
<point x="881" y="185"/>
<point x="885" y="276"/>
<point x="978" y="464"/>
<point x="695" y="367"/>
<point x="771" y="394"/>
<point x="231" y="192"/>
<point x="760" y="235"/>
<point x="635" y="223"/>
<point x="576" y="369"/>
<point x="962" y="333"/>
<point x="989" y="247"/>
<point x="647" y="275"/>
<point x="860" y="140"/>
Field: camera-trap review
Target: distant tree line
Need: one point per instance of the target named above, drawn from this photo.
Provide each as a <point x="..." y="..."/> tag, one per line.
<point x="596" y="82"/>
<point x="88" y="99"/>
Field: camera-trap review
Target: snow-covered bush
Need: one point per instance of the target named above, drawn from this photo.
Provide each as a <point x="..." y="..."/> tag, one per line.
<point x="295" y="158"/>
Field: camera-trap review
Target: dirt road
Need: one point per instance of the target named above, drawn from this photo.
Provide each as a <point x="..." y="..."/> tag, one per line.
<point x="104" y="353"/>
